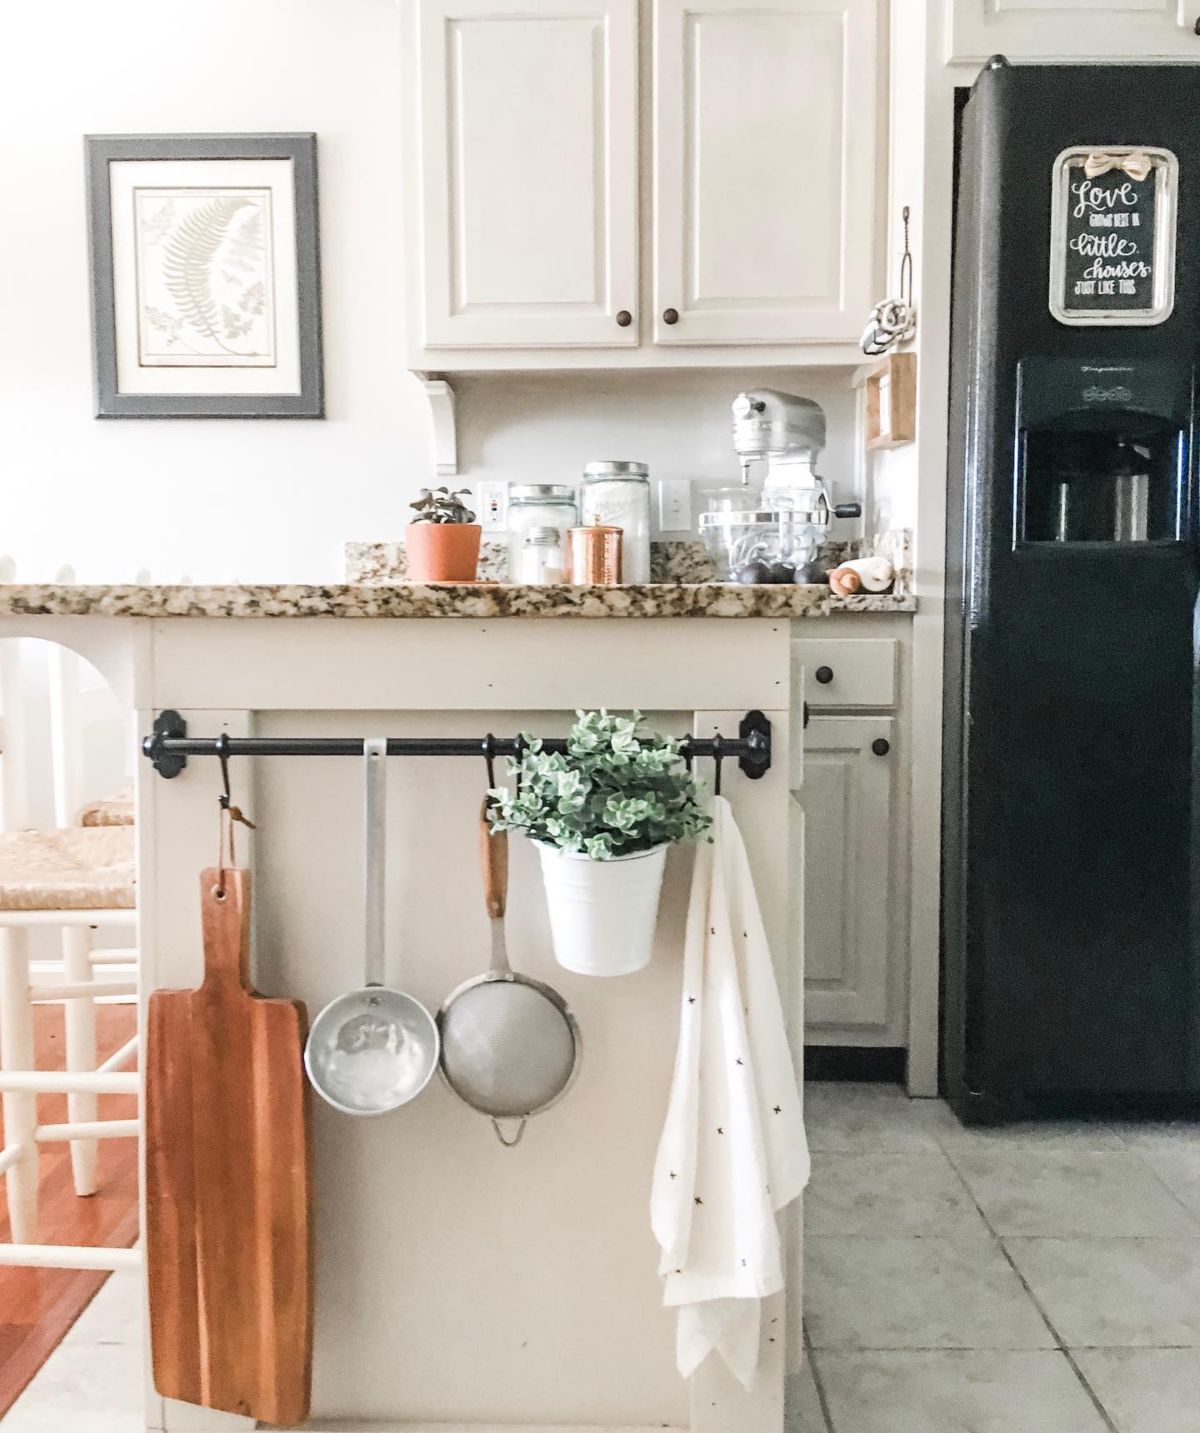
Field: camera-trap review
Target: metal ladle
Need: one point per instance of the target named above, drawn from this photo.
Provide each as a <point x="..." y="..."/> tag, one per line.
<point x="372" y="1050"/>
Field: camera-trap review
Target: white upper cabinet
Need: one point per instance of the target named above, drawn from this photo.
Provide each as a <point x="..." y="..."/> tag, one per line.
<point x="765" y="119"/>
<point x="528" y="154"/>
<point x="1072" y="29"/>
<point x="749" y="127"/>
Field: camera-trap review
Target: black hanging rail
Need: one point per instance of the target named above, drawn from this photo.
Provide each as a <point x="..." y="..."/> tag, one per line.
<point x="169" y="746"/>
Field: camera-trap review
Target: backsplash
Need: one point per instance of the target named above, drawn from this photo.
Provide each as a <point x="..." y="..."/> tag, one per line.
<point x="671" y="560"/>
<point x="370" y="562"/>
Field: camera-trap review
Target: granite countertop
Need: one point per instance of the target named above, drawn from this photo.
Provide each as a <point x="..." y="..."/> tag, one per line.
<point x="682" y="599"/>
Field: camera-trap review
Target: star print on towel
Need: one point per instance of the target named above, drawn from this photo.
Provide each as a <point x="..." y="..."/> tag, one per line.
<point x="732" y="1151"/>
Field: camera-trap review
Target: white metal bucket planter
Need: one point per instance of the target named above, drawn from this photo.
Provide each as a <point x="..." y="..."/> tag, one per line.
<point x="602" y="913"/>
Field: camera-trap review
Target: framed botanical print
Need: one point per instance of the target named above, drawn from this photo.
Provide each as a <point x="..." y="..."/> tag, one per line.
<point x="205" y="275"/>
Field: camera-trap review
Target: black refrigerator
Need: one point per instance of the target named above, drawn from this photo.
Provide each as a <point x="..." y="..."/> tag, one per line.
<point x="1070" y="835"/>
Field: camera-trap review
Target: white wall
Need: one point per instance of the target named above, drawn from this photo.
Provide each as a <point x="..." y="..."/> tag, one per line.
<point x="265" y="500"/>
<point x="252" y="499"/>
<point x="542" y="428"/>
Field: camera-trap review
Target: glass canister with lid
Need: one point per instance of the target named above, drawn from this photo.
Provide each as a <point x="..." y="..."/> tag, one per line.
<point x="618" y="495"/>
<point x="541" y="563"/>
<point x="538" y="505"/>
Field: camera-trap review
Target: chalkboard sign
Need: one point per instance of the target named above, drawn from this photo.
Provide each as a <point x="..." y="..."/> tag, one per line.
<point x="1112" y="235"/>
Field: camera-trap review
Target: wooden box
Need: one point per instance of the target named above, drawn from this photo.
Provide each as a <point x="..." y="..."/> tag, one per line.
<point x="891" y="394"/>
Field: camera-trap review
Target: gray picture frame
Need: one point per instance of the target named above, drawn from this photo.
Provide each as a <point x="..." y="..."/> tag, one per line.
<point x="101" y="150"/>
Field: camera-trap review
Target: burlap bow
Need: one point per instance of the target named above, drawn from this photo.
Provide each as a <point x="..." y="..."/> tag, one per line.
<point x="1136" y="165"/>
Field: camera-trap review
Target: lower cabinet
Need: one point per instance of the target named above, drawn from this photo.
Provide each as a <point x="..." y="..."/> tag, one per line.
<point x="846" y="799"/>
<point x="851" y="845"/>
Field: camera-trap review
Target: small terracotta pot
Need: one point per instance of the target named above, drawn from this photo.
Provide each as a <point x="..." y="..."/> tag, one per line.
<point x="442" y="551"/>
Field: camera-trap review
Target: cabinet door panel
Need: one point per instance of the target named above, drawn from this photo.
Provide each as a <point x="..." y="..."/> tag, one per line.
<point x="764" y="169"/>
<point x="529" y="172"/>
<point x="846" y="801"/>
<point x="1070" y="29"/>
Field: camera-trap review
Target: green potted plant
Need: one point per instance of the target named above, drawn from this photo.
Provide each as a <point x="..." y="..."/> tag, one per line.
<point x="443" y="538"/>
<point x="602" y="815"/>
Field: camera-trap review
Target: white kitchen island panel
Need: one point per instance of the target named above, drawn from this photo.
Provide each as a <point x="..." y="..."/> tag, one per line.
<point x="461" y="1285"/>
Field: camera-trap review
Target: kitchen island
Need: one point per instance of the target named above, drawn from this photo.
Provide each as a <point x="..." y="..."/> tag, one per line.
<point x="458" y="1282"/>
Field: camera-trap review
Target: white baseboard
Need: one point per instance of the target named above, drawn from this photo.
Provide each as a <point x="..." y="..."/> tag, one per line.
<point x="358" y="1427"/>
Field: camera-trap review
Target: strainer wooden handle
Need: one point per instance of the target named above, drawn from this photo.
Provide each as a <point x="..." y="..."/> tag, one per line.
<point x="493" y="850"/>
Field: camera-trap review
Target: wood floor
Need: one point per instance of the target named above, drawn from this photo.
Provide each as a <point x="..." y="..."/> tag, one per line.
<point x="38" y="1306"/>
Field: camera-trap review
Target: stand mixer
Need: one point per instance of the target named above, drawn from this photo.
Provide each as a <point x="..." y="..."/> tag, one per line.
<point x="773" y="534"/>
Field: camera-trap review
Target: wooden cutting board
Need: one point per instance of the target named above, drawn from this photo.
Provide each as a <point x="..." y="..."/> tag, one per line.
<point x="228" y="1198"/>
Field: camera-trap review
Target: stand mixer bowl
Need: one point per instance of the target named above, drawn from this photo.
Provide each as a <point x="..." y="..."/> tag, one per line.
<point x="767" y="540"/>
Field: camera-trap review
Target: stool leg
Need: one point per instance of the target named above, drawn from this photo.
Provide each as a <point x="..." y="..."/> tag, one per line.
<point x="20" y="1106"/>
<point x="80" y="1019"/>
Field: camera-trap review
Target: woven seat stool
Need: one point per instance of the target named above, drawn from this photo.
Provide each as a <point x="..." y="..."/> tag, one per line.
<point x="114" y="810"/>
<point x="75" y="880"/>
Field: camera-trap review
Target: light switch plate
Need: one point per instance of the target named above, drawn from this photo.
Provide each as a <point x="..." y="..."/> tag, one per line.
<point x="493" y="505"/>
<point x="674" y="505"/>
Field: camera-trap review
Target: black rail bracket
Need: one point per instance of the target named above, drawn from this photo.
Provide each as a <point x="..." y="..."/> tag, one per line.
<point x="166" y="763"/>
<point x="756" y="761"/>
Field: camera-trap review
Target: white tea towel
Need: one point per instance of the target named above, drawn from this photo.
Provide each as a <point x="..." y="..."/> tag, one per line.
<point x="733" y="1150"/>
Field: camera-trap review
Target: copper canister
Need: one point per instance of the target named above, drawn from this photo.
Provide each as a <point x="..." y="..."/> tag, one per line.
<point x="594" y="555"/>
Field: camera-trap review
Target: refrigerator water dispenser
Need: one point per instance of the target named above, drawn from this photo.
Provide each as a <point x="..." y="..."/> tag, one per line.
<point x="1101" y="451"/>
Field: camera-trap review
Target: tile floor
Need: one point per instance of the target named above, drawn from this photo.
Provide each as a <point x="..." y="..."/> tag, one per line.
<point x="1040" y="1278"/>
<point x="1031" y="1279"/>
<point x="92" y="1382"/>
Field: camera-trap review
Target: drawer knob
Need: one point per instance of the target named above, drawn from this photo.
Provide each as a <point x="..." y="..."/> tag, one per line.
<point x="624" y="318"/>
<point x="670" y="315"/>
<point x="824" y="675"/>
<point x="881" y="746"/>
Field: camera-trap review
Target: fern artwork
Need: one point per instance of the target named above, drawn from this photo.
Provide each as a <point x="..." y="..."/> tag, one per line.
<point x="206" y="275"/>
<point x="205" y="290"/>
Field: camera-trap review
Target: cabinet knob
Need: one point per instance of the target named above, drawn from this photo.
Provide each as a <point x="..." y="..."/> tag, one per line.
<point x="670" y="315"/>
<point x="824" y="675"/>
<point x="881" y="746"/>
<point x="624" y="318"/>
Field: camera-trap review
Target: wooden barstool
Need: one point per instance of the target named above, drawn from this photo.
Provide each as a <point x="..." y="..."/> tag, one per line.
<point x="75" y="880"/>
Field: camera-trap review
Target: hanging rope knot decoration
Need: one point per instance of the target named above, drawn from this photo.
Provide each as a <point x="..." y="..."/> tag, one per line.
<point x="893" y="321"/>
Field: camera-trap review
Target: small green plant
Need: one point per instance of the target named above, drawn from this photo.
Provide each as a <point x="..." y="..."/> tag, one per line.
<point x="613" y="792"/>
<point x="441" y="505"/>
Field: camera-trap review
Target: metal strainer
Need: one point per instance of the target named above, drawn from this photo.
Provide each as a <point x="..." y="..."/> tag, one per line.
<point x="510" y="1046"/>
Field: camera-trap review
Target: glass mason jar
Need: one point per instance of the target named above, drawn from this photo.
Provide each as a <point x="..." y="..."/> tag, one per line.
<point x="618" y="494"/>
<point x="541" y="561"/>
<point x="533" y="505"/>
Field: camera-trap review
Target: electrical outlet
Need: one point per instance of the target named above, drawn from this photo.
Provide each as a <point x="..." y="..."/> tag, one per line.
<point x="493" y="505"/>
<point x="674" y="505"/>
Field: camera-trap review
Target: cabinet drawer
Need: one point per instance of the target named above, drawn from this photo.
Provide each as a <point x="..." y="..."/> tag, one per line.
<point x="846" y="673"/>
